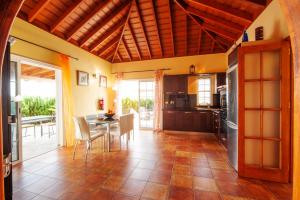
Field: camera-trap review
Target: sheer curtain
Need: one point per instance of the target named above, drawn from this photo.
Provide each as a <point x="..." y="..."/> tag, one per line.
<point x="158" y="100"/>
<point x="68" y="112"/>
<point x="117" y="101"/>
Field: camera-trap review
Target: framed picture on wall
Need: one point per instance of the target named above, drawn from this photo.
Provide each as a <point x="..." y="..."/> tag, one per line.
<point x="82" y="78"/>
<point x="103" y="81"/>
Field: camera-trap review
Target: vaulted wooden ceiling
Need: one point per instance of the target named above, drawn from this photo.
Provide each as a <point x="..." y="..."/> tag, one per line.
<point x="130" y="30"/>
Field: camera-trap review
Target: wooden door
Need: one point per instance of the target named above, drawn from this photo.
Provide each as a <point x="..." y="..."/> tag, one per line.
<point x="264" y="111"/>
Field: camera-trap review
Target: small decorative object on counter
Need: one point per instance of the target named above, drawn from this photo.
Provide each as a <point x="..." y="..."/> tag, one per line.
<point x="259" y="33"/>
<point x="192" y="69"/>
<point x="245" y="37"/>
<point x="101" y="104"/>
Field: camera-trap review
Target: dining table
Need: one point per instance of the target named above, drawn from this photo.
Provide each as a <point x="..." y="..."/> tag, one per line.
<point x="99" y="121"/>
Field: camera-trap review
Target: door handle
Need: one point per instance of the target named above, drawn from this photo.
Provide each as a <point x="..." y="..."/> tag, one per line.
<point x="6" y="165"/>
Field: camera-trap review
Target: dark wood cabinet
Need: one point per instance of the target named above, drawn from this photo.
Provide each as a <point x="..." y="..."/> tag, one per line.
<point x="199" y="121"/>
<point x="221" y="79"/>
<point x="169" y="120"/>
<point x="175" y="84"/>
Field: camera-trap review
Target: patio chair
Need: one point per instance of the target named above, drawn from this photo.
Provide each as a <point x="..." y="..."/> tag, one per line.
<point x="50" y="124"/>
<point x="26" y="126"/>
<point x="83" y="133"/>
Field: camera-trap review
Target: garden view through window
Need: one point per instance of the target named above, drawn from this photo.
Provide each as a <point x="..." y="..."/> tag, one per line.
<point x="204" y="91"/>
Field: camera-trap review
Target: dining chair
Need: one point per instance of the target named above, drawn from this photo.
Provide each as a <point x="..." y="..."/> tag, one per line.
<point x="131" y="125"/>
<point x="83" y="133"/>
<point x="122" y="129"/>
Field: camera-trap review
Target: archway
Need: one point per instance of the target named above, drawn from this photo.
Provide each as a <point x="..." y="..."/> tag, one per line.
<point x="9" y="10"/>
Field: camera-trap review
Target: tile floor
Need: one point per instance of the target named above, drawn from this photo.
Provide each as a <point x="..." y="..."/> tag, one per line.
<point x="156" y="166"/>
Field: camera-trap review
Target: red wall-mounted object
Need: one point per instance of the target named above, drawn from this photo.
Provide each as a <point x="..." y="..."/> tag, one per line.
<point x="101" y="104"/>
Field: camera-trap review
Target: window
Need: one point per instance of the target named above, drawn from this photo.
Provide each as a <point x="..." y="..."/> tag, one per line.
<point x="204" y="91"/>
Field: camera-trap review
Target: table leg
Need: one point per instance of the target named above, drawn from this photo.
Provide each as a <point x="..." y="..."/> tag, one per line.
<point x="108" y="135"/>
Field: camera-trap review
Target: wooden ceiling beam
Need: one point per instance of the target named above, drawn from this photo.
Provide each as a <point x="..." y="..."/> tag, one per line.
<point x="107" y="34"/>
<point x="103" y="22"/>
<point x="123" y="30"/>
<point x="212" y="46"/>
<point x="126" y="49"/>
<point x="247" y="18"/>
<point x="86" y="19"/>
<point x="107" y="46"/>
<point x="182" y="4"/>
<point x="222" y="32"/>
<point x="258" y="3"/>
<point x="216" y="20"/>
<point x="109" y="55"/>
<point x="143" y="29"/>
<point x="134" y="41"/>
<point x="65" y="15"/>
<point x="37" y="9"/>
<point x="170" y="12"/>
<point x="186" y="35"/>
<point x="156" y="27"/>
<point x="119" y="56"/>
<point x="199" y="40"/>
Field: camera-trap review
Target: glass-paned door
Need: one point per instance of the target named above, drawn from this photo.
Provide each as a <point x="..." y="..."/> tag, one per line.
<point x="264" y="113"/>
<point x="146" y="104"/>
<point x="14" y="111"/>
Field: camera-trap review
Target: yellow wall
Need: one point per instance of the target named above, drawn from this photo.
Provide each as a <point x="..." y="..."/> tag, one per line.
<point x="84" y="97"/>
<point x="178" y="65"/>
<point x="273" y="21"/>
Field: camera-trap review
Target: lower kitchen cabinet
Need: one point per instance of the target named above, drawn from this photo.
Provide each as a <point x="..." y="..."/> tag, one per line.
<point x="200" y="121"/>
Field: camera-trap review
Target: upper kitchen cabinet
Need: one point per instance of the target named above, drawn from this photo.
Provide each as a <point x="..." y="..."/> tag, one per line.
<point x="221" y="79"/>
<point x="175" y="84"/>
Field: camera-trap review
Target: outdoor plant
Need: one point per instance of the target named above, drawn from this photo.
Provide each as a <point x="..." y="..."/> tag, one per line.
<point x="128" y="104"/>
<point x="34" y="106"/>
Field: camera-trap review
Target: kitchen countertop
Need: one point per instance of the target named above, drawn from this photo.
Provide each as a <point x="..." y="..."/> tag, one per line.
<point x="191" y="109"/>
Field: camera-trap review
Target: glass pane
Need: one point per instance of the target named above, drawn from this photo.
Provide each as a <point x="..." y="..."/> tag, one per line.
<point x="252" y="123"/>
<point x="13" y="72"/>
<point x="271" y="64"/>
<point x="252" y="152"/>
<point x="271" y="154"/>
<point x="252" y="95"/>
<point x="271" y="124"/>
<point x="252" y="66"/>
<point x="271" y="94"/>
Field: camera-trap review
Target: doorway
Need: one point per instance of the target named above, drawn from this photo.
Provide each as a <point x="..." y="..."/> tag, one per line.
<point x="35" y="101"/>
<point x="137" y="96"/>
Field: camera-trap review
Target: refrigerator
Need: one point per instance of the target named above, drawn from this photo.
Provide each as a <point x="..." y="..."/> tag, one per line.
<point x="232" y="115"/>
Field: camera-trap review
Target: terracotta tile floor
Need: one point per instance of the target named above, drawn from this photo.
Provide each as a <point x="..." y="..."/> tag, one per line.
<point x="156" y="166"/>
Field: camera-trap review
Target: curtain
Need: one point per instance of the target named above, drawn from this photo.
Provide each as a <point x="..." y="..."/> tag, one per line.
<point x="118" y="100"/>
<point x="158" y="100"/>
<point x="67" y="101"/>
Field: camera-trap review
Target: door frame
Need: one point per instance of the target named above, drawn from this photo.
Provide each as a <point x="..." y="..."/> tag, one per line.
<point x="58" y="98"/>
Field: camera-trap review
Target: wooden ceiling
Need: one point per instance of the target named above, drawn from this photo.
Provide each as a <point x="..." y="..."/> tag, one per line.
<point x="130" y="30"/>
<point x="32" y="71"/>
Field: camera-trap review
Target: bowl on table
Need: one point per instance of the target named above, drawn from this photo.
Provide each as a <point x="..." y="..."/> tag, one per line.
<point x="109" y="115"/>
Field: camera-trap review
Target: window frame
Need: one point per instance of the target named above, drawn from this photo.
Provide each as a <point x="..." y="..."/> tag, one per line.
<point x="204" y="91"/>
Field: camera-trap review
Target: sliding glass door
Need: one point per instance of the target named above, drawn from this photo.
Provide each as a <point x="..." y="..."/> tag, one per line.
<point x="146" y="101"/>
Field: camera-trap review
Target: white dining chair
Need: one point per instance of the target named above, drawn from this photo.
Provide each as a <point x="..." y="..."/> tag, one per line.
<point x="122" y="130"/>
<point x="83" y="133"/>
<point x="131" y="125"/>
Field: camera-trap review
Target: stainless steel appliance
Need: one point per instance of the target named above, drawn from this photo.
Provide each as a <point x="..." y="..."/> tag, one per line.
<point x="232" y="115"/>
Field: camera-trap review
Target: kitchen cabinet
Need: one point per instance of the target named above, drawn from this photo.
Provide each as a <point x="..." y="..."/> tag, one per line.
<point x="175" y="84"/>
<point x="169" y="120"/>
<point x="221" y="79"/>
<point x="199" y="121"/>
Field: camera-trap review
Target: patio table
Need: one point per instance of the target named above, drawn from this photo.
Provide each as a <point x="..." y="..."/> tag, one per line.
<point x="104" y="121"/>
<point x="40" y="119"/>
